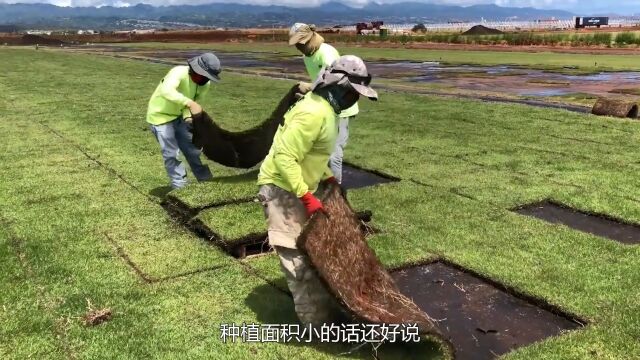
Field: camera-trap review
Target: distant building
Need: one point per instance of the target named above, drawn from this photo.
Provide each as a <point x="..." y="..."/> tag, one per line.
<point x="591" y="21"/>
<point x="87" y="32"/>
<point x="39" y="32"/>
<point x="364" y="28"/>
<point x="145" y="31"/>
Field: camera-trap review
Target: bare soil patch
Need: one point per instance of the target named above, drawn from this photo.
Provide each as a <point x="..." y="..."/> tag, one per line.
<point x="354" y="177"/>
<point x="596" y="224"/>
<point x="481" y="320"/>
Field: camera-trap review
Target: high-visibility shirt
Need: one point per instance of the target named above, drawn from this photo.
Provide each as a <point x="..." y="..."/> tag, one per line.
<point x="299" y="156"/>
<point x="175" y="90"/>
<point x="322" y="58"/>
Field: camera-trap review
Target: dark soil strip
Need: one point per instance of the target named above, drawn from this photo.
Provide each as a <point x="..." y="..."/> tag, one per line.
<point x="354" y="177"/>
<point x="596" y="224"/>
<point x="481" y="319"/>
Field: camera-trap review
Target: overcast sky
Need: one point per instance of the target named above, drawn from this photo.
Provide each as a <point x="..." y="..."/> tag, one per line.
<point x="578" y="6"/>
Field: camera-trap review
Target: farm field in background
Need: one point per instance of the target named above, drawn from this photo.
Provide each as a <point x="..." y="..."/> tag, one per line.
<point x="575" y="80"/>
<point x="84" y="227"/>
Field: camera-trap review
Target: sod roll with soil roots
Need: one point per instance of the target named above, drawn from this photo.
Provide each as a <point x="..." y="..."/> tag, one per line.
<point x="615" y="107"/>
<point x="243" y="149"/>
<point x="338" y="250"/>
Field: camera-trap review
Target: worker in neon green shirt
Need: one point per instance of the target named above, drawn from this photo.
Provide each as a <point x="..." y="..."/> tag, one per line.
<point x="317" y="56"/>
<point x="292" y="171"/>
<point x="174" y="100"/>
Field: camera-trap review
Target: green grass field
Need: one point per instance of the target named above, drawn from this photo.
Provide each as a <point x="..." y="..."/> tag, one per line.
<point x="536" y="60"/>
<point x="82" y="181"/>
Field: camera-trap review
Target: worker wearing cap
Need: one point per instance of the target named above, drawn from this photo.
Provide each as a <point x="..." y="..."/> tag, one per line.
<point x="173" y="101"/>
<point x="319" y="55"/>
<point x="293" y="170"/>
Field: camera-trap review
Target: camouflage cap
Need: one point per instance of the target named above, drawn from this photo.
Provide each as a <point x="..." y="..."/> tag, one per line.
<point x="348" y="70"/>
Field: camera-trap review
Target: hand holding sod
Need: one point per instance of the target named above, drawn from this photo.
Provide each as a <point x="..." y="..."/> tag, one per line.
<point x="194" y="107"/>
<point x="311" y="203"/>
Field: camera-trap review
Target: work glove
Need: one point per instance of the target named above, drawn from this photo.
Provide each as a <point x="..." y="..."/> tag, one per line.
<point x="303" y="88"/>
<point x="311" y="203"/>
<point x="194" y="107"/>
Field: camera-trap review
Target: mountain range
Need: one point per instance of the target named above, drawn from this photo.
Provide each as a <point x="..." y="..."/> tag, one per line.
<point x="241" y="15"/>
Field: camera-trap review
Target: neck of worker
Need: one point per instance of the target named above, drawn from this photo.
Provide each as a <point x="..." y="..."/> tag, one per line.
<point x="313" y="44"/>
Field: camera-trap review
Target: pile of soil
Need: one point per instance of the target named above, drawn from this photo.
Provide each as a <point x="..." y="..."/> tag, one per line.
<point x="482" y="30"/>
<point x="243" y="149"/>
<point x="337" y="249"/>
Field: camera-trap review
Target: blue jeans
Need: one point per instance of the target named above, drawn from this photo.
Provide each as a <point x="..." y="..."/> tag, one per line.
<point x="174" y="137"/>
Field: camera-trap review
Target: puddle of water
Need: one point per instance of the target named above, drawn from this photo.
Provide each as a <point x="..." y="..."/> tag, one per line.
<point x="608" y="76"/>
<point x="496" y="79"/>
<point x="545" y="92"/>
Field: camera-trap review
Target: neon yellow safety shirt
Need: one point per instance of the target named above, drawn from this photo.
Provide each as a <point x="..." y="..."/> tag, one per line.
<point x="170" y="98"/>
<point x="323" y="57"/>
<point x="298" y="158"/>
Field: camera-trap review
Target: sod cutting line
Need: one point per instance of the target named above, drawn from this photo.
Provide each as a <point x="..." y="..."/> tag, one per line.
<point x="120" y="251"/>
<point x="148" y="279"/>
<point x="175" y="205"/>
<point x="98" y="162"/>
<point x="454" y="191"/>
<point x="182" y="218"/>
<point x="60" y="332"/>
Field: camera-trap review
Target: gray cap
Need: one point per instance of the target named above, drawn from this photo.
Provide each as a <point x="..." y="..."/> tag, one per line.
<point x="348" y="70"/>
<point x="206" y="65"/>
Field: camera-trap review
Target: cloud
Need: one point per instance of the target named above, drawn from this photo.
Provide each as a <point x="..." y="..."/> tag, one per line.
<point x="578" y="6"/>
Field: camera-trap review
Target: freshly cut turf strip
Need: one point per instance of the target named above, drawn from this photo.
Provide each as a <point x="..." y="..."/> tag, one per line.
<point x="243" y="149"/>
<point x="482" y="321"/>
<point x="598" y="225"/>
<point x="355" y="178"/>
<point x="351" y="271"/>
